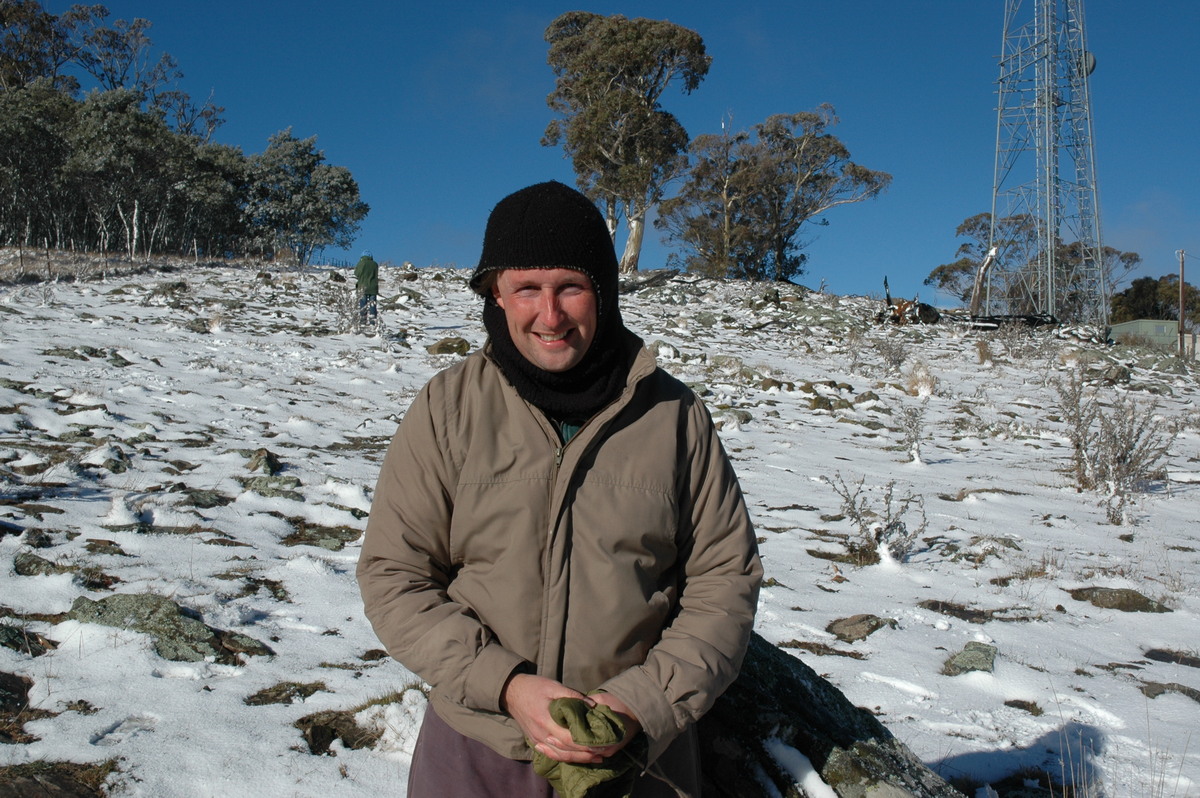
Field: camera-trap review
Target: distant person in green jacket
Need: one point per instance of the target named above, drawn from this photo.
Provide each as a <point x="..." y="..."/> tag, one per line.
<point x="366" y="274"/>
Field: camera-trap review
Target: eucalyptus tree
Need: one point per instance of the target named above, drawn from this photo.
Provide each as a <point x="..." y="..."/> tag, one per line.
<point x="299" y="202"/>
<point x="35" y="44"/>
<point x="957" y="278"/>
<point x="707" y="218"/>
<point x="213" y="191"/>
<point x="125" y="162"/>
<point x="122" y="56"/>
<point x="748" y="196"/>
<point x="1151" y="298"/>
<point x="611" y="73"/>
<point x="803" y="171"/>
<point x="1016" y="242"/>
<point x="35" y="121"/>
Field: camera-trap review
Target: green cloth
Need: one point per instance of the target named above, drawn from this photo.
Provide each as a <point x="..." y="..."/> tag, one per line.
<point x="597" y="725"/>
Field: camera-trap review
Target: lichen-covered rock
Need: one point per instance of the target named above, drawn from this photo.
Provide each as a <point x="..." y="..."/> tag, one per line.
<point x="178" y="634"/>
<point x="274" y="487"/>
<point x="333" y="538"/>
<point x="858" y="627"/>
<point x="975" y="656"/>
<point x="1118" y="598"/>
<point x="778" y="698"/>
<point x="26" y="563"/>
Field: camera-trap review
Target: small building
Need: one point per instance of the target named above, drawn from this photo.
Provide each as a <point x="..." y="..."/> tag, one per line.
<point x="1148" y="332"/>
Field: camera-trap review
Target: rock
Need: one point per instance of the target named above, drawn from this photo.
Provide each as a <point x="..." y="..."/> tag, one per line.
<point x="264" y="461"/>
<point x="858" y="627"/>
<point x="1155" y="689"/>
<point x="177" y="634"/>
<point x="206" y="499"/>
<point x="26" y="563"/>
<point x="975" y="656"/>
<point x="274" y="487"/>
<point x="664" y="351"/>
<point x="14" y="693"/>
<point x="1120" y="598"/>
<point x="772" y="384"/>
<point x="778" y="698"/>
<point x="25" y="641"/>
<point x="449" y="346"/>
<point x="333" y="538"/>
<point x="1116" y="374"/>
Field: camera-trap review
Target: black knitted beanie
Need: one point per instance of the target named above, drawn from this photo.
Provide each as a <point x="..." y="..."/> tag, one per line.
<point x="552" y="226"/>
<point x="549" y="226"/>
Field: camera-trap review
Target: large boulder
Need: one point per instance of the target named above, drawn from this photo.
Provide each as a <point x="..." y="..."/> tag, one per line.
<point x="778" y="708"/>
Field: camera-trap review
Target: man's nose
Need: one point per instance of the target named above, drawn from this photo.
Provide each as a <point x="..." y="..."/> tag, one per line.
<point x="552" y="312"/>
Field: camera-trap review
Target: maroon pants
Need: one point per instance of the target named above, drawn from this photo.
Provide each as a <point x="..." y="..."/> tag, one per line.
<point x="447" y="764"/>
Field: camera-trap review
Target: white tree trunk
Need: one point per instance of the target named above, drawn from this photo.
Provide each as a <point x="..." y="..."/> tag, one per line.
<point x="633" y="244"/>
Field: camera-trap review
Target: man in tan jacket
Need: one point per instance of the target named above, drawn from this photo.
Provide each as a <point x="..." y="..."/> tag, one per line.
<point x="556" y="518"/>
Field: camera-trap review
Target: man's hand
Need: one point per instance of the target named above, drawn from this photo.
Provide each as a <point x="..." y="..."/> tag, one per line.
<point x="527" y="699"/>
<point x="632" y="725"/>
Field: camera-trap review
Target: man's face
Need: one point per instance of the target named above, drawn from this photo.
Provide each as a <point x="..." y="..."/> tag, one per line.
<point x="551" y="314"/>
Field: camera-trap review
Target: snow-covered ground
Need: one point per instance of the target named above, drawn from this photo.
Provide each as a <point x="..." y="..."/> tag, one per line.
<point x="131" y="409"/>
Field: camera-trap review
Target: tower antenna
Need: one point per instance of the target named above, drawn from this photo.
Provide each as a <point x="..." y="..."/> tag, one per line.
<point x="1045" y="228"/>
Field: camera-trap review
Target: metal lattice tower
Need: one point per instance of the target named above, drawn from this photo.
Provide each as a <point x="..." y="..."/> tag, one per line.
<point x="1045" y="231"/>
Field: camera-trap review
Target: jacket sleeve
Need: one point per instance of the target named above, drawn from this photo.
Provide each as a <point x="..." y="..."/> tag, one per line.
<point x="701" y="651"/>
<point x="406" y="566"/>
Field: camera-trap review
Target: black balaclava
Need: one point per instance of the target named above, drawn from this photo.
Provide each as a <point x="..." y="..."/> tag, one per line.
<point x="552" y="226"/>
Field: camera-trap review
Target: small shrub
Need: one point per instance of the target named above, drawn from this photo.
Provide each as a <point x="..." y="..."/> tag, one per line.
<point x="983" y="351"/>
<point x="912" y="427"/>
<point x="1018" y="341"/>
<point x="921" y="381"/>
<point x="893" y="351"/>
<point x="882" y="530"/>
<point x="1113" y="451"/>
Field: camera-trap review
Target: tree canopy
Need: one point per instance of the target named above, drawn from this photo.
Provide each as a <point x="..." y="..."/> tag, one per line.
<point x="1150" y="298"/>
<point x="611" y="73"/>
<point x="748" y="196"/>
<point x="130" y="165"/>
<point x="299" y="202"/>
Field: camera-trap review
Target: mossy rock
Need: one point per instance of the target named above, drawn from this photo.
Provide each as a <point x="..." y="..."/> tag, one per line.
<point x="777" y="700"/>
<point x="178" y="634"/>
<point x="1122" y="599"/>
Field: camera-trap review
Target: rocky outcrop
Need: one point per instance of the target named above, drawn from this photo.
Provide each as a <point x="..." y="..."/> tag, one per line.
<point x="779" y="705"/>
<point x="178" y="634"/>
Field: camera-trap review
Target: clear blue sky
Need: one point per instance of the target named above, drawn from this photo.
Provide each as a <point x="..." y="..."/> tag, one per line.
<point x="437" y="109"/>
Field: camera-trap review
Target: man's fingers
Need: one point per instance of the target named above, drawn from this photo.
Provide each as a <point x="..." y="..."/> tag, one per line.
<point x="565" y="755"/>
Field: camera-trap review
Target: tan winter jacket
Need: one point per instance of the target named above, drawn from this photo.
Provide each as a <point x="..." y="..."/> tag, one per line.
<point x="623" y="561"/>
